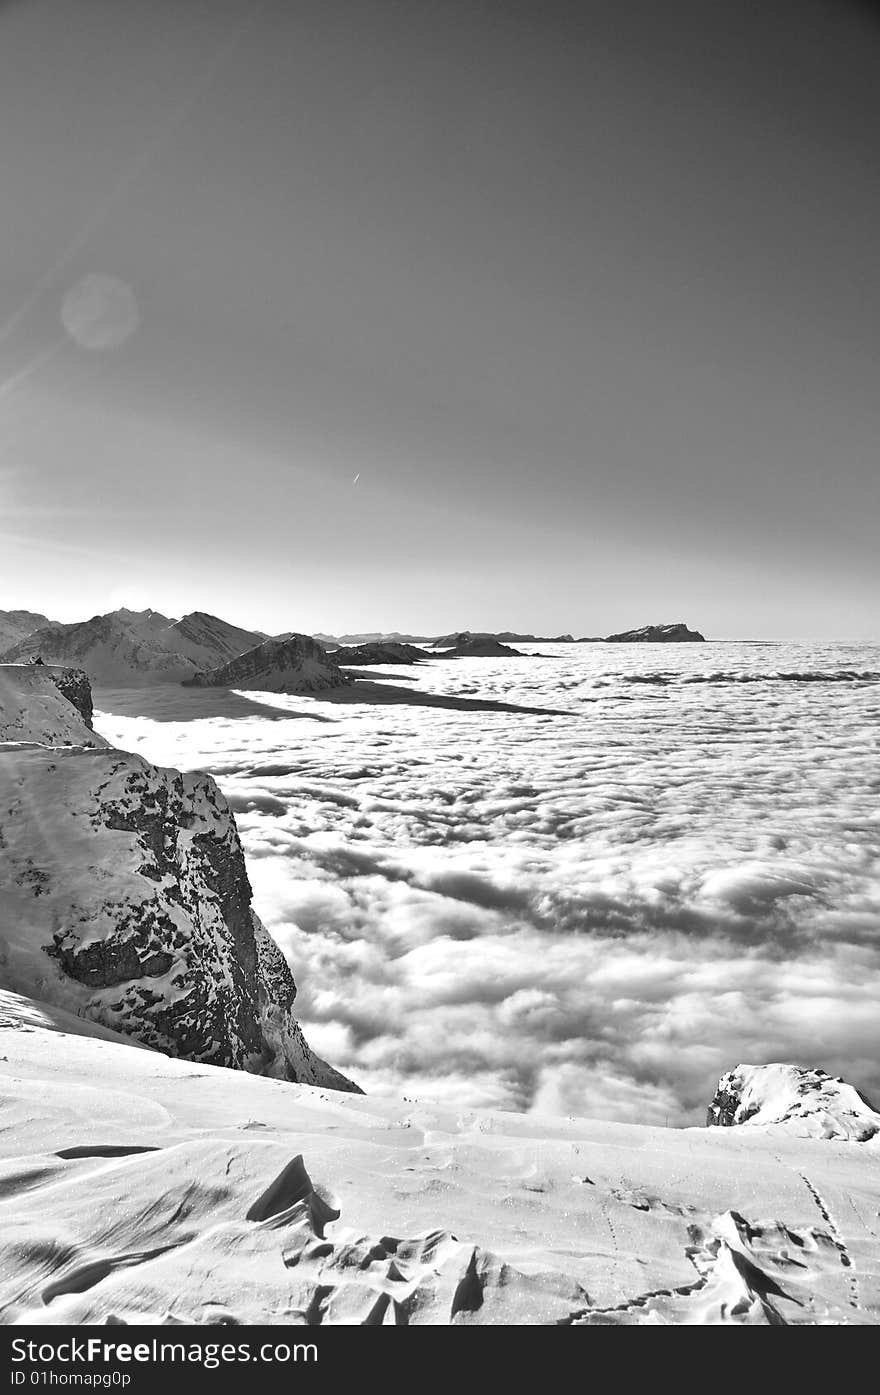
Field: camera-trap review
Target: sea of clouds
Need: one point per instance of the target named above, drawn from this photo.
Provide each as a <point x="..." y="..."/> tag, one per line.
<point x="594" y="909"/>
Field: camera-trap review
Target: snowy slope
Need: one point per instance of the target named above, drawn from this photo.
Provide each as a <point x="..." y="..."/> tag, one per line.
<point x="124" y="898"/>
<point x="33" y="709"/>
<point x="804" y="1101"/>
<point x="140" y="1188"/>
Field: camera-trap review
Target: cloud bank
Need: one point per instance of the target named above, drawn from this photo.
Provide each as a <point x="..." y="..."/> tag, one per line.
<point x="591" y="914"/>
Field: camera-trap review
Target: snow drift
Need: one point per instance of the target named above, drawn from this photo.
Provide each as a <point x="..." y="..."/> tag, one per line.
<point x="141" y="1189"/>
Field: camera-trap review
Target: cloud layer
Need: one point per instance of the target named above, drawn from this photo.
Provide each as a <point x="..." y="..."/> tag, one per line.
<point x="595" y="913"/>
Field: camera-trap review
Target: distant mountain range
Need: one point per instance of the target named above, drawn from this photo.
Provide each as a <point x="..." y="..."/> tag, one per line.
<point x="16" y="624"/>
<point x="128" y="647"/>
<point x="141" y="647"/>
<point x="474" y="637"/>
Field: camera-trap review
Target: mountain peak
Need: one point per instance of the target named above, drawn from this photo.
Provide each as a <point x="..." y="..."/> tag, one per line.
<point x="808" y="1101"/>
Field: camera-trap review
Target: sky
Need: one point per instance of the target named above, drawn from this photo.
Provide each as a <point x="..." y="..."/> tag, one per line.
<point x="584" y="294"/>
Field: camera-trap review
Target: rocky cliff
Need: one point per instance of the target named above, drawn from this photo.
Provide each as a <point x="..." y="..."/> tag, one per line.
<point x="124" y="898"/>
<point x="808" y="1102"/>
<point x="73" y="684"/>
<point x="295" y="665"/>
<point x="48" y="705"/>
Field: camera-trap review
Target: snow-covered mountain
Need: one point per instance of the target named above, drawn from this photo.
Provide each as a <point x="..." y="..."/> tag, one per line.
<point x="208" y="640"/>
<point x="807" y="1102"/>
<point x="120" y="648"/>
<point x="127" y="647"/>
<point x="476" y="646"/>
<point x="47" y="705"/>
<point x="386" y="652"/>
<point x="16" y="624"/>
<point x="657" y="634"/>
<point x="124" y="898"/>
<point x="295" y="665"/>
<point x="189" y="1193"/>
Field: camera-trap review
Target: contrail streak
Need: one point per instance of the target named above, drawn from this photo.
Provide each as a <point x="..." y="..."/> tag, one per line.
<point x="15" y="380"/>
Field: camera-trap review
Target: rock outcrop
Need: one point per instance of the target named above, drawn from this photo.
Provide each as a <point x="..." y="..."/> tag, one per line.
<point x="658" y="634"/>
<point x="45" y="704"/>
<point x="295" y="665"/>
<point x="124" y="898"/>
<point x="73" y="684"/>
<point x="809" y="1102"/>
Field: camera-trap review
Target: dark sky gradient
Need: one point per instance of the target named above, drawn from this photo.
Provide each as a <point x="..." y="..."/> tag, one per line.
<point x="587" y="293"/>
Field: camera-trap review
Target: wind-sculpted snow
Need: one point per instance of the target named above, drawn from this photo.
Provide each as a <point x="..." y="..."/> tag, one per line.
<point x="135" y="1188"/>
<point x="592" y="913"/>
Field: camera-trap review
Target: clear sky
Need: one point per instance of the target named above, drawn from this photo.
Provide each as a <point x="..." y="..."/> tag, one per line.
<point x="586" y="294"/>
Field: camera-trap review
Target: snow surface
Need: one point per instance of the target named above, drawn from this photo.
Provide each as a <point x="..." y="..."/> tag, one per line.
<point x="32" y="709"/>
<point x="136" y="1187"/>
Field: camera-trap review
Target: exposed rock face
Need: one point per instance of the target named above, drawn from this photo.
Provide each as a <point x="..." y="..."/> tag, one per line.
<point x="73" y="683"/>
<point x="809" y="1103"/>
<point x="658" y="634"/>
<point x="124" y="897"/>
<point x="385" y="653"/>
<point x="296" y="665"/>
